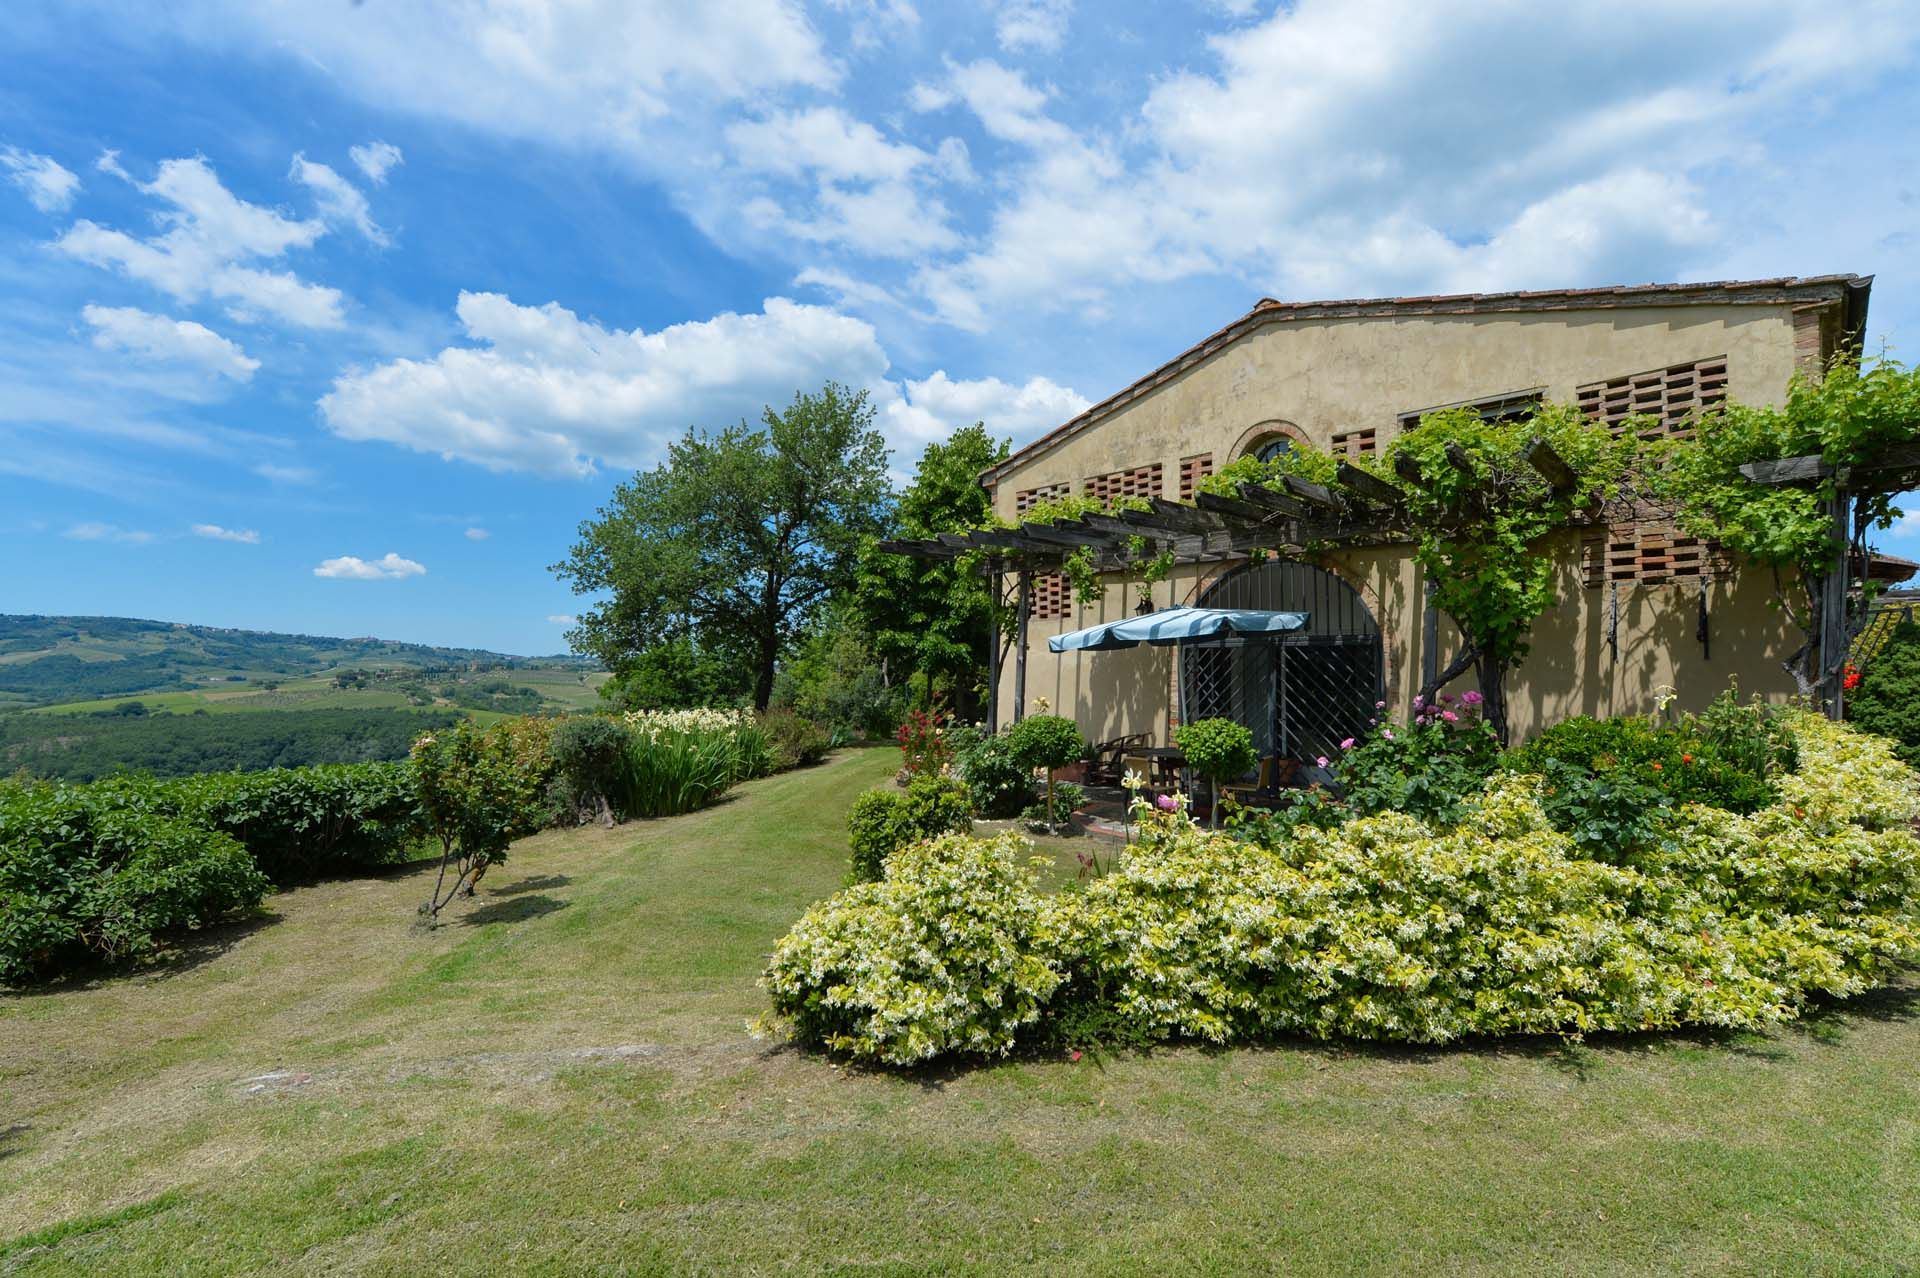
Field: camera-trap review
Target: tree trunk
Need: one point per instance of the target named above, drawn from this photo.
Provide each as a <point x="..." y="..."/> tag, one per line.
<point x="1493" y="687"/>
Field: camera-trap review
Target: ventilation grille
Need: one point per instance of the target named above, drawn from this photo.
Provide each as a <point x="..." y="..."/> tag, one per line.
<point x="1650" y="551"/>
<point x="1356" y="443"/>
<point x="1031" y="497"/>
<point x="1141" y="481"/>
<point x="1672" y="397"/>
<point x="1049" y="596"/>
<point x="1192" y="471"/>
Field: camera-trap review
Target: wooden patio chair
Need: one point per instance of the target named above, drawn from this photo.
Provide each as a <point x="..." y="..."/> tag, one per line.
<point x="1109" y="758"/>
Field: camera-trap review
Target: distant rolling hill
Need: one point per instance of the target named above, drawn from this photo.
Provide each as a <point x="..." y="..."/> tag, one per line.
<point x="48" y="660"/>
<point x="83" y="697"/>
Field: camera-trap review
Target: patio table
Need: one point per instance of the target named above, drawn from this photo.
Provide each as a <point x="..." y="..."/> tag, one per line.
<point x="1168" y="763"/>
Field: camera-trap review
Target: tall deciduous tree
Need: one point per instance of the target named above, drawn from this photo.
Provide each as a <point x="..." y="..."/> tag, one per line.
<point x="935" y="616"/>
<point x="723" y="552"/>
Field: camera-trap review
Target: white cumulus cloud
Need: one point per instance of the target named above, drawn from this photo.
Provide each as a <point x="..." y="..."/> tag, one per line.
<point x="376" y="160"/>
<point x="478" y="534"/>
<point x="156" y="337"/>
<point x="214" y="245"/>
<point x="543" y="390"/>
<point x="389" y="567"/>
<point x="50" y="185"/>
<point x="561" y="619"/>
<point x="214" y="532"/>
<point x="1032" y="24"/>
<point x="339" y="199"/>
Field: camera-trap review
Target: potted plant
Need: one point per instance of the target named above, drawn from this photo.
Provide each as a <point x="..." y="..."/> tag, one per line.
<point x="1047" y="741"/>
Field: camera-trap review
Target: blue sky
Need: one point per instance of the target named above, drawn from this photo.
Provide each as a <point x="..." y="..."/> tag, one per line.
<point x="339" y="317"/>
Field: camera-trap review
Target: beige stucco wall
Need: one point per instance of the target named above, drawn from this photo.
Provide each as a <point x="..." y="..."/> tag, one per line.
<point x="1324" y="376"/>
<point x="1331" y="375"/>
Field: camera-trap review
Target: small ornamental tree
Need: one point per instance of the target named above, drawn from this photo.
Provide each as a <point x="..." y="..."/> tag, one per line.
<point x="1047" y="741"/>
<point x="1484" y="516"/>
<point x="476" y="800"/>
<point x="1219" y="750"/>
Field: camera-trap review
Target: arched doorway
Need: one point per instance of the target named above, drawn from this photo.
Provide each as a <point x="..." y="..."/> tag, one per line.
<point x="1301" y="693"/>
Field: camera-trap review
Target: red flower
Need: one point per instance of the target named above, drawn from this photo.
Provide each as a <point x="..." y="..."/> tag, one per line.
<point x="1657" y="767"/>
<point x="1850" y="676"/>
<point x="1686" y="758"/>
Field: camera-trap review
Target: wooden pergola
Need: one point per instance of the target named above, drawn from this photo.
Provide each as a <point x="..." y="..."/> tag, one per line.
<point x="1358" y="509"/>
<point x="1895" y="470"/>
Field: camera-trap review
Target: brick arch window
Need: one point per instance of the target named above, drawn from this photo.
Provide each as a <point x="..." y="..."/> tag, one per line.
<point x="1269" y="438"/>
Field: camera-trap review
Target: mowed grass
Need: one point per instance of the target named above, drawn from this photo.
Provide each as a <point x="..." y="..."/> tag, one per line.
<point x="561" y="1081"/>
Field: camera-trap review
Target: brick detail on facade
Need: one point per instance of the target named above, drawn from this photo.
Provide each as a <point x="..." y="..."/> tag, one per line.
<point x="1049" y="596"/>
<point x="1363" y="442"/>
<point x="1192" y="471"/>
<point x="1140" y="481"/>
<point x="1648" y="551"/>
<point x="1027" y="498"/>
<point x="1671" y="396"/>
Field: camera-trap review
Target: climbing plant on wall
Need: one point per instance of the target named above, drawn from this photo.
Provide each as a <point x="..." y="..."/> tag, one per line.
<point x="1482" y="516"/>
<point x="1851" y="416"/>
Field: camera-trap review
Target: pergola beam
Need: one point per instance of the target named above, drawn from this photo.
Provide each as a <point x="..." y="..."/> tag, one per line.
<point x="1368" y="486"/>
<point x="1550" y="465"/>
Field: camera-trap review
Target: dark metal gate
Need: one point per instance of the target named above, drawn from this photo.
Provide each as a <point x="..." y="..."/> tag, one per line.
<point x="1301" y="694"/>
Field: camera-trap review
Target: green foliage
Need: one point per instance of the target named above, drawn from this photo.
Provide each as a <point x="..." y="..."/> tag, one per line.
<point x="477" y="795"/>
<point x="83" y="878"/>
<point x="1483" y="520"/>
<point x="947" y="955"/>
<point x="1887" y="700"/>
<point x="1731" y="757"/>
<point x="1426" y="768"/>
<point x="734" y="543"/>
<point x="1217" y="749"/>
<point x="86" y="747"/>
<point x="881" y="822"/>
<point x="1851" y="414"/>
<point x="1078" y="567"/>
<point x="1302" y="461"/>
<point x="1066" y="799"/>
<point x="1046" y="741"/>
<point x="678" y="763"/>
<point x="1000" y="783"/>
<point x="793" y="741"/>
<point x="1386" y="927"/>
<point x="834" y="678"/>
<point x="935" y="617"/>
<point x="588" y="751"/>
<point x="297" y="823"/>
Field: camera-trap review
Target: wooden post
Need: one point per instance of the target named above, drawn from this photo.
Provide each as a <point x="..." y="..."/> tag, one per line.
<point x="993" y="655"/>
<point x="1020" y="652"/>
<point x="1833" y="605"/>
<point x="1429" y="640"/>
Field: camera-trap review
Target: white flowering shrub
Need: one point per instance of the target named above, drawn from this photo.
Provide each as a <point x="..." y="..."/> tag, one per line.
<point x="947" y="955"/>
<point x="1386" y="927"/>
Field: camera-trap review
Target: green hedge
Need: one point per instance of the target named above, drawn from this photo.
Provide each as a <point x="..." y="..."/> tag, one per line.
<point x="81" y="877"/>
<point x="1384" y="927"/>
<point x="883" y="821"/>
<point x="299" y="823"/>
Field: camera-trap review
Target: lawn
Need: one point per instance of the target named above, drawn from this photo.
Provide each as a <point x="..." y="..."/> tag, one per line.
<point x="561" y="1081"/>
